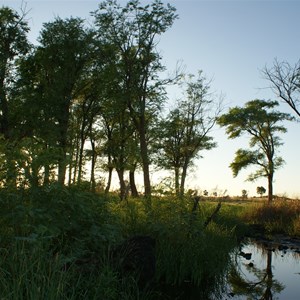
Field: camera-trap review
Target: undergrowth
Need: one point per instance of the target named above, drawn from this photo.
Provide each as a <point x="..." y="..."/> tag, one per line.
<point x="46" y="231"/>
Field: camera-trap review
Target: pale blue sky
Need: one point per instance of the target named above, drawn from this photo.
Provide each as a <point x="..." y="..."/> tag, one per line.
<point x="230" y="41"/>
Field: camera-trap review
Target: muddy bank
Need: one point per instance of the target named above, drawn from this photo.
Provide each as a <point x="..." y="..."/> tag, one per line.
<point x="280" y="242"/>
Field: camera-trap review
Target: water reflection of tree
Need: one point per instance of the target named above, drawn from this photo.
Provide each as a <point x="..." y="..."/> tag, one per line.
<point x="264" y="288"/>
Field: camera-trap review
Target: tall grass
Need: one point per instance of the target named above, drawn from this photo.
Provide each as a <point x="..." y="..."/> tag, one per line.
<point x="44" y="232"/>
<point x="186" y="251"/>
<point x="282" y="216"/>
<point x="29" y="273"/>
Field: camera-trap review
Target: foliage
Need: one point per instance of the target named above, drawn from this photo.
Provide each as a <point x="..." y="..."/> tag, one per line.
<point x="133" y="31"/>
<point x="281" y="217"/>
<point x="244" y="194"/>
<point x="59" y="215"/>
<point x="185" y="131"/>
<point x="62" y="237"/>
<point x="260" y="190"/>
<point x="261" y="122"/>
<point x="179" y="233"/>
<point x="75" y="78"/>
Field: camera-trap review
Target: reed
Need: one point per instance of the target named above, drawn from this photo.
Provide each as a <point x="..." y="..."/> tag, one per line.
<point x="45" y="232"/>
<point x="282" y="216"/>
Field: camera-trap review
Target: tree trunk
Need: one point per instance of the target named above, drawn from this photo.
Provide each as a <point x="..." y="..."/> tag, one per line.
<point x="11" y="173"/>
<point x="4" y="124"/>
<point x="270" y="188"/>
<point x="5" y="130"/>
<point x="122" y="183"/>
<point x="75" y="168"/>
<point x="268" y="292"/>
<point x="46" y="174"/>
<point x="70" y="170"/>
<point x="183" y="177"/>
<point x="62" y="161"/>
<point x="177" y="190"/>
<point x="34" y="174"/>
<point x="93" y="164"/>
<point x="80" y="160"/>
<point x="145" y="162"/>
<point x="107" y="188"/>
<point x="63" y="124"/>
<point x="134" y="192"/>
<point x="62" y="166"/>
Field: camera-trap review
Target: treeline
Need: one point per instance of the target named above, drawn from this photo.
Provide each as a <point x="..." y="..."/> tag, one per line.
<point x="95" y="95"/>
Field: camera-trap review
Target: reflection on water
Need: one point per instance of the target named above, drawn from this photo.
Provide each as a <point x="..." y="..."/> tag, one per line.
<point x="264" y="271"/>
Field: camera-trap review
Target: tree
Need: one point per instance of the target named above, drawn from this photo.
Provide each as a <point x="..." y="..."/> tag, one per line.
<point x="63" y="59"/>
<point x="133" y="30"/>
<point x="260" y="190"/>
<point x="185" y="131"/>
<point x="13" y="45"/>
<point x="260" y="121"/>
<point x="244" y="194"/>
<point x="285" y="82"/>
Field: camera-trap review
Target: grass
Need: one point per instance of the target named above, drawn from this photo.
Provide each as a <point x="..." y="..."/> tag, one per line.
<point x="282" y="216"/>
<point x="186" y="252"/>
<point x="46" y="231"/>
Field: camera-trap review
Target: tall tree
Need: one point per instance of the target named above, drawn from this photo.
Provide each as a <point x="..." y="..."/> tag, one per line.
<point x="134" y="29"/>
<point x="285" y="82"/>
<point x="64" y="58"/>
<point x="185" y="132"/>
<point x="13" y="45"/>
<point x="261" y="122"/>
<point x="13" y="37"/>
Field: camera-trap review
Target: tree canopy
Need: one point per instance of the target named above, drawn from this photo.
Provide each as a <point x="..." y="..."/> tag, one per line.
<point x="91" y="97"/>
<point x="259" y="120"/>
<point x="185" y="131"/>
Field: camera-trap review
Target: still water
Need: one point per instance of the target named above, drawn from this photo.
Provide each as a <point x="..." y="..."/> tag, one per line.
<point x="266" y="271"/>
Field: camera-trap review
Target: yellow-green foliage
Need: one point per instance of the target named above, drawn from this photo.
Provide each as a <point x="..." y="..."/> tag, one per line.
<point x="282" y="216"/>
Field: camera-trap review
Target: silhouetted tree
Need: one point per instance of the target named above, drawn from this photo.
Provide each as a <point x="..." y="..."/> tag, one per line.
<point x="260" y="190"/>
<point x="185" y="131"/>
<point x="13" y="45"/>
<point x="133" y="30"/>
<point x="260" y="121"/>
<point x="63" y="58"/>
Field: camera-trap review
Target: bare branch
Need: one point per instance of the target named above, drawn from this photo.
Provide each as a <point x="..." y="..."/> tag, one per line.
<point x="285" y="82"/>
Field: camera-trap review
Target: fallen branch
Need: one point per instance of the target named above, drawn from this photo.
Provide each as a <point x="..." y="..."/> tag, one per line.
<point x="209" y="219"/>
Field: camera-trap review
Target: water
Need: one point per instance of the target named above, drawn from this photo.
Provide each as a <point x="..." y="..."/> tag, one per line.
<point x="260" y="270"/>
<point x="265" y="271"/>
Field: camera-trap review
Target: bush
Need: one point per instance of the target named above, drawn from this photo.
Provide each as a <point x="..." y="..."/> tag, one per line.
<point x="72" y="222"/>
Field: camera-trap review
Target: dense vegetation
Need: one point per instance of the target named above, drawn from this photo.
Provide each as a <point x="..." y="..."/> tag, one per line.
<point x="56" y="244"/>
<point x="92" y="98"/>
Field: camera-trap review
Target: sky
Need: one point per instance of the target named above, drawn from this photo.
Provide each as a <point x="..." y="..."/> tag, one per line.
<point x="231" y="41"/>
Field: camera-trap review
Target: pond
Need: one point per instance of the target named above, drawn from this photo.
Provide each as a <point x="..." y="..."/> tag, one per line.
<point x="259" y="270"/>
<point x="265" y="270"/>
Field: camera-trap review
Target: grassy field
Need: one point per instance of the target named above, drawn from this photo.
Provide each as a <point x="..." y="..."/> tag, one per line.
<point x="56" y="242"/>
